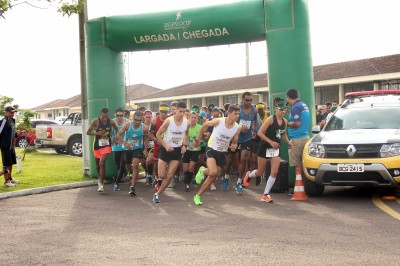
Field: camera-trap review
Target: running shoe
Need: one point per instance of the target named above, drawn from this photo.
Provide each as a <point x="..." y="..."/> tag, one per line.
<point x="9" y="184"/>
<point x="200" y="175"/>
<point x="157" y="187"/>
<point x="132" y="191"/>
<point x="149" y="181"/>
<point x="239" y="189"/>
<point x="187" y="188"/>
<point x="172" y="183"/>
<point x="225" y="183"/>
<point x="116" y="187"/>
<point x="197" y="200"/>
<point x="213" y="187"/>
<point x="100" y="188"/>
<point x="156" y="198"/>
<point x="258" y="180"/>
<point x="246" y="180"/>
<point x="176" y="178"/>
<point x="266" y="198"/>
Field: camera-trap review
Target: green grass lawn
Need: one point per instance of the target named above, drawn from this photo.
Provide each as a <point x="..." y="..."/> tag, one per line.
<point x="41" y="169"/>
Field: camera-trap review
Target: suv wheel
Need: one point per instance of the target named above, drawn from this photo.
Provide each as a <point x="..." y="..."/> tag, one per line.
<point x="75" y="147"/>
<point x="313" y="189"/>
<point x="22" y="142"/>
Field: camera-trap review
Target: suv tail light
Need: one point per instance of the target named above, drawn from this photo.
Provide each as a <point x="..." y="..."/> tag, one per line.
<point x="49" y="132"/>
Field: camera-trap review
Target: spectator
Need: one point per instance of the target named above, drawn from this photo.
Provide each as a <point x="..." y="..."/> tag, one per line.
<point x="299" y="122"/>
<point x="7" y="135"/>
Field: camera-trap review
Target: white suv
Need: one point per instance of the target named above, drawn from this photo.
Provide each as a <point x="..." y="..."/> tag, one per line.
<point x="360" y="145"/>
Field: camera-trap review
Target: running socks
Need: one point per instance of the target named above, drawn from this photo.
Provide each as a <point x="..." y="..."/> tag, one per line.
<point x="270" y="183"/>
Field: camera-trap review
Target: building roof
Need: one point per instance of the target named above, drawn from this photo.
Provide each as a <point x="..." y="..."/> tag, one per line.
<point x="356" y="68"/>
<point x="136" y="90"/>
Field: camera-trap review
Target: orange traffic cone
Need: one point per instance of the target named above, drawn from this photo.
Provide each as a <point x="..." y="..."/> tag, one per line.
<point x="299" y="193"/>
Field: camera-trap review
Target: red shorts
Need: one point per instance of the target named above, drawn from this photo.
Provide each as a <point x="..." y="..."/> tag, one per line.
<point x="155" y="151"/>
<point x="101" y="151"/>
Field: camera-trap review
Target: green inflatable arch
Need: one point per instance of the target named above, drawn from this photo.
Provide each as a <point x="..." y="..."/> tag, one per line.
<point x="283" y="24"/>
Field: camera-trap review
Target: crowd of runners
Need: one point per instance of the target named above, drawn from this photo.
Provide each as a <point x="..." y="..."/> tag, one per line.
<point x="200" y="145"/>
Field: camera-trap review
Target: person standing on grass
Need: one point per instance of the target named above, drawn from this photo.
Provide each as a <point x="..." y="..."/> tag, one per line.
<point x="7" y="135"/>
<point x="225" y="130"/>
<point x="272" y="131"/>
<point x="100" y="128"/>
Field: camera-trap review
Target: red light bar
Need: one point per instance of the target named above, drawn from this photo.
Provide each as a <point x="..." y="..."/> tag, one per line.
<point x="366" y="93"/>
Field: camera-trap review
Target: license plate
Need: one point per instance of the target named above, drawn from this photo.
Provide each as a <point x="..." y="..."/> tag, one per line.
<point x="349" y="168"/>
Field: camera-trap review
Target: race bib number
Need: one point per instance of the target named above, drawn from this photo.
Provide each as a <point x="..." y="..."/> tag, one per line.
<point x="272" y="152"/>
<point x="190" y="144"/>
<point x="151" y="144"/>
<point x="245" y="123"/>
<point x="104" y="142"/>
<point x="134" y="142"/>
<point x="176" y="141"/>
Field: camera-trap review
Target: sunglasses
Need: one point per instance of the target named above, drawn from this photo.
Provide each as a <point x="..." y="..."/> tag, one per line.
<point x="119" y="115"/>
<point x="248" y="100"/>
<point x="137" y="120"/>
<point x="282" y="109"/>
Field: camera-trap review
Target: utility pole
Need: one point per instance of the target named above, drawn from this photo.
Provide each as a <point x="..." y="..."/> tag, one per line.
<point x="83" y="17"/>
<point x="247" y="60"/>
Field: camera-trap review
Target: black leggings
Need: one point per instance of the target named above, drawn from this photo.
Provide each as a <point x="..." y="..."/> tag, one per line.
<point x="120" y="164"/>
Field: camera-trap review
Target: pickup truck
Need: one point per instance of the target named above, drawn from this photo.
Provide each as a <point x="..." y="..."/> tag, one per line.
<point x="64" y="138"/>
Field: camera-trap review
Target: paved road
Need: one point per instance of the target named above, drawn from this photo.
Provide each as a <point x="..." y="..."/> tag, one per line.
<point x="82" y="227"/>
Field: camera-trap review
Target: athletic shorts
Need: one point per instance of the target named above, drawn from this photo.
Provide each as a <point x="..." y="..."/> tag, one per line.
<point x="220" y="157"/>
<point x="296" y="152"/>
<point x="244" y="146"/>
<point x="262" y="150"/>
<point x="254" y="145"/>
<point x="8" y="157"/>
<point x="203" y="149"/>
<point x="168" y="156"/>
<point x="190" y="156"/>
<point x="98" y="153"/>
<point x="156" y="150"/>
<point x="131" y="154"/>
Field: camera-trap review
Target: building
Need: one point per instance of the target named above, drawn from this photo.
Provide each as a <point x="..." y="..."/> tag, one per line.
<point x="331" y="82"/>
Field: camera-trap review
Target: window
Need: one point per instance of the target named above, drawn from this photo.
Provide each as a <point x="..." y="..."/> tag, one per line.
<point x="195" y="101"/>
<point x="326" y="94"/>
<point x="154" y="106"/>
<point x="367" y="86"/>
<point x="390" y="84"/>
<point x="49" y="115"/>
<point x="230" y="99"/>
<point x="214" y="100"/>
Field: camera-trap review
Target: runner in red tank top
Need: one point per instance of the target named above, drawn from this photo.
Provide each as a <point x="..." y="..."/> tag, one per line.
<point x="157" y="122"/>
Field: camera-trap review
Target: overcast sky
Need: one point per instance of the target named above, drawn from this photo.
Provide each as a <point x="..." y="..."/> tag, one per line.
<point x="40" y="55"/>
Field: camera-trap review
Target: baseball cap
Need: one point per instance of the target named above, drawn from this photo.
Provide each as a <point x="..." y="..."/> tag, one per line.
<point x="211" y="106"/>
<point x="10" y="109"/>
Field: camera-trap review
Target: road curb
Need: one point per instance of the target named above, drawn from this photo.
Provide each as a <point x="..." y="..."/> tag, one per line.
<point x="40" y="190"/>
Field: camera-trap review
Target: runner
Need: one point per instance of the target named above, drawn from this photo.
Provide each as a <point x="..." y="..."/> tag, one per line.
<point x="117" y="149"/>
<point x="135" y="141"/>
<point x="156" y="123"/>
<point x="147" y="161"/>
<point x="173" y="145"/>
<point x="225" y="130"/>
<point x="192" y="153"/>
<point x="100" y="128"/>
<point x="271" y="133"/>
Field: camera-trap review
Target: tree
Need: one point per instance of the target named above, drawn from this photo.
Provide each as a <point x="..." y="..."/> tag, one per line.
<point x="65" y="8"/>
<point x="5" y="101"/>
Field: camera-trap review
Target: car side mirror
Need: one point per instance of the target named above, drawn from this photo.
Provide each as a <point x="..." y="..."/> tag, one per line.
<point x="316" y="129"/>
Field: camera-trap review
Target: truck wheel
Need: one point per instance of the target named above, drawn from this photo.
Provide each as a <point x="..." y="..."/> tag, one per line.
<point x="313" y="189"/>
<point x="22" y="142"/>
<point x="60" y="151"/>
<point x="75" y="147"/>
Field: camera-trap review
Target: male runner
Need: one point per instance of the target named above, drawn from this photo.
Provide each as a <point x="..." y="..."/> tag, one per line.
<point x="135" y="141"/>
<point x="100" y="128"/>
<point x="173" y="138"/>
<point x="225" y="130"/>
